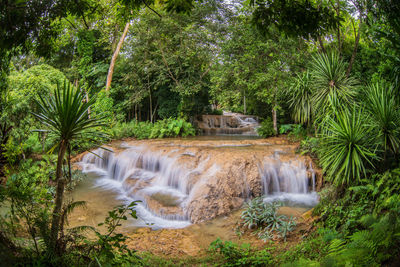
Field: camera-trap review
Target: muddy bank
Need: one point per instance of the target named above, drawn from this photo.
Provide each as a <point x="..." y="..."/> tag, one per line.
<point x="195" y="239"/>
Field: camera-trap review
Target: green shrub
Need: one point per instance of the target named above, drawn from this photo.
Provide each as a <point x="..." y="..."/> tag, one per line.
<point x="309" y="146"/>
<point x="347" y="147"/>
<point x="265" y="218"/>
<point x="372" y="195"/>
<point x="234" y="255"/>
<point x="146" y="130"/>
<point x="384" y="109"/>
<point x="310" y="250"/>
<point x="266" y="128"/>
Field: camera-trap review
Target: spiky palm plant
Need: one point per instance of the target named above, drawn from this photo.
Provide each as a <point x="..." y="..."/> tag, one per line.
<point x="330" y="84"/>
<point x="301" y="99"/>
<point x="384" y="110"/>
<point x="65" y="115"/>
<point x="347" y="147"/>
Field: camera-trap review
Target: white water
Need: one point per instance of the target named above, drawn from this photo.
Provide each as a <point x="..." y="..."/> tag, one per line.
<point x="149" y="174"/>
<point x="229" y="124"/>
<point x="288" y="182"/>
<point x="139" y="174"/>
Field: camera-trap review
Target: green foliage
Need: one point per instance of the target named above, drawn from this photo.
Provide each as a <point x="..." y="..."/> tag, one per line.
<point x="300" y="98"/>
<point x="234" y="255"/>
<point x="295" y="18"/>
<point x="266" y="128"/>
<point x="347" y="147"/>
<point x="330" y="84"/>
<point x="65" y="113"/>
<point x="66" y="117"/>
<point x="264" y="216"/>
<point x="310" y="250"/>
<point x="383" y="107"/>
<point x="309" y="146"/>
<point x="103" y="106"/>
<point x="29" y="199"/>
<point x="24" y="89"/>
<point x="370" y="246"/>
<point x="294" y="130"/>
<point x="110" y="248"/>
<point x="12" y="152"/>
<point x="160" y="129"/>
<point x="172" y="128"/>
<point x="371" y="196"/>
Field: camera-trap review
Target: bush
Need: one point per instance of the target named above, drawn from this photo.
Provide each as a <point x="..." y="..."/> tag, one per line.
<point x="266" y="128"/>
<point x="233" y="255"/>
<point x="146" y="130"/>
<point x="347" y="147"/>
<point x="372" y="195"/>
<point x="309" y="146"/>
<point x="263" y="216"/>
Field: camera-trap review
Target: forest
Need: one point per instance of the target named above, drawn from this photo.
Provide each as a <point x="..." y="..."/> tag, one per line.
<point x="88" y="83"/>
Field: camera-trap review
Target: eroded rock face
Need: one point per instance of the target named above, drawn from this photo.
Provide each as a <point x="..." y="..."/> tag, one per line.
<point x="197" y="179"/>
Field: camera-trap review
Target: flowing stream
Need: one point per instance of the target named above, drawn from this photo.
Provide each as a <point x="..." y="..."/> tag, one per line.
<point x="177" y="182"/>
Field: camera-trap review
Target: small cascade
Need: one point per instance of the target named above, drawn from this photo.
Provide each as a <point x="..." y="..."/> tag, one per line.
<point x="288" y="182"/>
<point x="228" y="124"/>
<point x="157" y="180"/>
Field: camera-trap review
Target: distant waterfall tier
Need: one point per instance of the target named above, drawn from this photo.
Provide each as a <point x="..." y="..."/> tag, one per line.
<point x="230" y="124"/>
<point x="288" y="181"/>
<point x="180" y="182"/>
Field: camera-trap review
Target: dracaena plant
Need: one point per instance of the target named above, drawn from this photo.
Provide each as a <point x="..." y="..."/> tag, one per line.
<point x="383" y="107"/>
<point x="65" y="115"/>
<point x="348" y="146"/>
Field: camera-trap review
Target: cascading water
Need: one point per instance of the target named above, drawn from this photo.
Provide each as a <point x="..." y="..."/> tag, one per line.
<point x="228" y="124"/>
<point x="185" y="181"/>
<point x="288" y="182"/>
<point x="156" y="180"/>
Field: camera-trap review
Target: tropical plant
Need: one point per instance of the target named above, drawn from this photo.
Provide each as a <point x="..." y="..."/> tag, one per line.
<point x="267" y="128"/>
<point x="330" y="84"/>
<point x="234" y="255"/>
<point x="347" y="147"/>
<point x="65" y="115"/>
<point x="264" y="216"/>
<point x="300" y="98"/>
<point x="384" y="109"/>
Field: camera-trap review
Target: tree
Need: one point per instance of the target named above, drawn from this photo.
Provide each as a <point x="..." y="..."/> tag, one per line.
<point x="65" y="115"/>
<point x="254" y="69"/>
<point x="299" y="18"/>
<point x="178" y="6"/>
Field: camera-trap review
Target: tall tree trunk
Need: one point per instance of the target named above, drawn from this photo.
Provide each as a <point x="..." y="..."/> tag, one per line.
<point x="274" y="120"/>
<point x="114" y="57"/>
<point x="321" y="45"/>
<point x="87" y="101"/>
<point x="353" y="55"/>
<point x="136" y="117"/>
<point x="55" y="224"/>
<point x="274" y="116"/>
<point x="151" y="108"/>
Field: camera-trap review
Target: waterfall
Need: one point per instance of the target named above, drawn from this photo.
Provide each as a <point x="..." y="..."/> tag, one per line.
<point x="150" y="177"/>
<point x="176" y="185"/>
<point x="228" y="124"/>
<point x="288" y="182"/>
